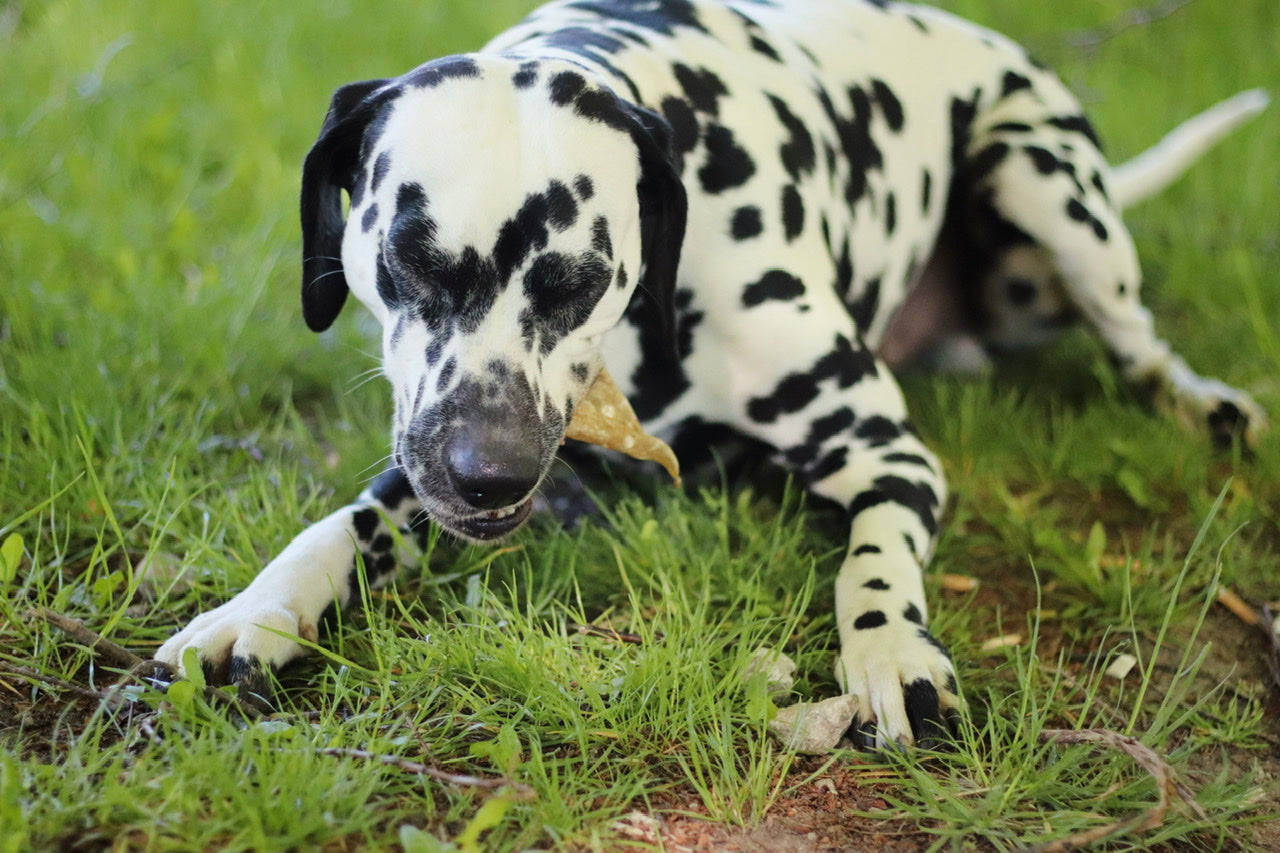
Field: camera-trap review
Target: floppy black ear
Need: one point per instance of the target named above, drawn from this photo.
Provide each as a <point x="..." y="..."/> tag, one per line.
<point x="663" y="211"/>
<point x="330" y="168"/>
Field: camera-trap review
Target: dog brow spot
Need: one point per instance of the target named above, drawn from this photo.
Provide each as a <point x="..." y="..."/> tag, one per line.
<point x="912" y="614"/>
<point x="877" y="584"/>
<point x="866" y="549"/>
<point x="870" y="619"/>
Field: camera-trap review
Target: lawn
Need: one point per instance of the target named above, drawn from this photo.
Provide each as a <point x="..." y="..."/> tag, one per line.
<point x="167" y="424"/>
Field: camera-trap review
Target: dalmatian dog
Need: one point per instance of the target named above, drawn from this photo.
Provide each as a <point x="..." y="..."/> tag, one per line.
<point x="727" y="202"/>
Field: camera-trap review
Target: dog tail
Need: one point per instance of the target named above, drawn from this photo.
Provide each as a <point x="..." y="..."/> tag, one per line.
<point x="1151" y="171"/>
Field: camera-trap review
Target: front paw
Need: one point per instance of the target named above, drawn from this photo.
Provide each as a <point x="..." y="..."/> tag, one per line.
<point x="903" y="682"/>
<point x="241" y="643"/>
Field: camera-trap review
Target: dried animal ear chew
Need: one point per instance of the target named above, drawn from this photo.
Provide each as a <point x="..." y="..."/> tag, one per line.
<point x="604" y="417"/>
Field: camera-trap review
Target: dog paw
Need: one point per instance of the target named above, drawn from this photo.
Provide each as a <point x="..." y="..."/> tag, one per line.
<point x="241" y="643"/>
<point x="1208" y="405"/>
<point x="904" y="685"/>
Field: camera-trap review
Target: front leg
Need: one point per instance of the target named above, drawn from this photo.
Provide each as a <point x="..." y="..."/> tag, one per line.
<point x="257" y="631"/>
<point x="841" y="424"/>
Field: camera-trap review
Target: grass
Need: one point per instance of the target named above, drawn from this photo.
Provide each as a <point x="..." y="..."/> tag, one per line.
<point x="162" y="406"/>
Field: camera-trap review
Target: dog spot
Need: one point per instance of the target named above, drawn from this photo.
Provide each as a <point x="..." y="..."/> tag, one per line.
<point x="918" y="497"/>
<point x="877" y="431"/>
<point x="845" y="364"/>
<point x="908" y="459"/>
<point x="1011" y="127"/>
<point x="797" y="151"/>
<point x="565" y="87"/>
<point x="702" y="88"/>
<point x="386" y="284"/>
<point x="562" y="291"/>
<point x="370" y="218"/>
<point x="664" y="18"/>
<point x="728" y="164"/>
<point x="911" y="544"/>
<point x="621" y="280"/>
<point x="526" y="76"/>
<point x="1013" y="82"/>
<point x="660" y="379"/>
<point x="746" y="223"/>
<point x="877" y="584"/>
<point x="381" y="166"/>
<point x="986" y="161"/>
<point x="1077" y="211"/>
<point x="365" y="522"/>
<point x="870" y="619"/>
<point x="759" y="45"/>
<point x="600" y="241"/>
<point x="1076" y="124"/>
<point x="436" y="349"/>
<point x="890" y="106"/>
<point x="963" y="113"/>
<point x="434" y="73"/>
<point x="1043" y="159"/>
<point x="890" y="214"/>
<point x="863" y="309"/>
<point x="1099" y="184"/>
<point x="580" y="372"/>
<point x="391" y="489"/>
<point x="583" y="186"/>
<point x="792" y="212"/>
<point x="866" y="549"/>
<point x="773" y="285"/>
<point x="912" y="614"/>
<point x="684" y="124"/>
<point x="446" y="375"/>
<point x="835" y="460"/>
<point x="1122" y="290"/>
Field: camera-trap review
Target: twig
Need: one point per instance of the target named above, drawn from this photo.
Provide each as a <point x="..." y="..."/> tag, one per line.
<point x="1166" y="786"/>
<point x="1237" y="605"/>
<point x="417" y="768"/>
<point x="51" y="680"/>
<point x="608" y="634"/>
<point x="1092" y="39"/>
<point x="110" y="653"/>
<point x="151" y="672"/>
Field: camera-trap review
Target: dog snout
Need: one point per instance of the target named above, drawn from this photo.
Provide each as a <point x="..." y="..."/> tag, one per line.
<point x="490" y="469"/>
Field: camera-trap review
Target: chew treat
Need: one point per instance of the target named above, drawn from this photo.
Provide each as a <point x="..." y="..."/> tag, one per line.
<point x="604" y="417"/>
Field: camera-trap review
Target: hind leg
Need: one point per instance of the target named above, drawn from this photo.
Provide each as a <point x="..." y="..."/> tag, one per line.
<point x="1039" y="207"/>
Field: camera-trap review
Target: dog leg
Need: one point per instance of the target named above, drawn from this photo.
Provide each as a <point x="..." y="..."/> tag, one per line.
<point x="258" y="631"/>
<point x="1042" y="189"/>
<point x="842" y="425"/>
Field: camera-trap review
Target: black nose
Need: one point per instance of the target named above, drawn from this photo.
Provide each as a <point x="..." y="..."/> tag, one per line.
<point x="490" y="472"/>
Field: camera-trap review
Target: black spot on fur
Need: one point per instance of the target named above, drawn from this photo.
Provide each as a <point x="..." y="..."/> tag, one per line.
<point x="664" y="18"/>
<point x="863" y="309"/>
<point x="870" y="619"/>
<point x="365" y="522"/>
<point x="1013" y="82"/>
<point x="918" y="497"/>
<point x="759" y="45"/>
<point x="876" y="584"/>
<point x="890" y="214"/>
<point x="844" y="364"/>
<point x="912" y="614"/>
<point x="526" y="76"/>
<point x="797" y="151"/>
<point x="436" y="72"/>
<point x="583" y="186"/>
<point x="866" y="549"/>
<point x="1077" y="124"/>
<point x="746" y="223"/>
<point x="890" y="106"/>
<point x="600" y="240"/>
<point x="926" y="191"/>
<point x="728" y="164"/>
<point x="877" y="431"/>
<point x="702" y="88"/>
<point x="908" y="459"/>
<point x="773" y="285"/>
<point x="391" y="488"/>
<point x="684" y="124"/>
<point x="792" y="212"/>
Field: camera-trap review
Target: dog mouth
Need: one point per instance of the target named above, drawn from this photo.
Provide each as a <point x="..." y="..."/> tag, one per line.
<point x="490" y="525"/>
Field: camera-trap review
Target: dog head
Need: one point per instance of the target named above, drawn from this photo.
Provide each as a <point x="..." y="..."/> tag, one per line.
<point x="503" y="214"/>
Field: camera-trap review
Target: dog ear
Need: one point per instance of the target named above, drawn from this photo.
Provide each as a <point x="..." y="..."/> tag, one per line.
<point x="329" y="170"/>
<point x="663" y="211"/>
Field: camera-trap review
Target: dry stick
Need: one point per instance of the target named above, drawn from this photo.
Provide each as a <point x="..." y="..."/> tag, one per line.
<point x="109" y="652"/>
<point x="521" y="790"/>
<point x="51" y="680"/>
<point x="1166" y="785"/>
<point x="1093" y="38"/>
<point x="118" y="656"/>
